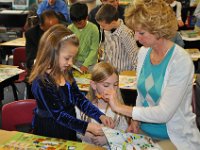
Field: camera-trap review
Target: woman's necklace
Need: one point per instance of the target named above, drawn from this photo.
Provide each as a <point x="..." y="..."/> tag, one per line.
<point x="156" y="59"/>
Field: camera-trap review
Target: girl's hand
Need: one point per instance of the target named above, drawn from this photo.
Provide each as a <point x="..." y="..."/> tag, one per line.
<point x="110" y="96"/>
<point x="84" y="69"/>
<point x="134" y="126"/>
<point x="95" y="129"/>
<point x="99" y="140"/>
<point x="107" y="121"/>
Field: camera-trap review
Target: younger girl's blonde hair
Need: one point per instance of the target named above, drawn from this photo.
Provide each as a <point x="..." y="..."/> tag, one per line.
<point x="100" y="73"/>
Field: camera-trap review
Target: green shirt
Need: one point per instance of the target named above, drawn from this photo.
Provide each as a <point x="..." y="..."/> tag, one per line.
<point x="89" y="42"/>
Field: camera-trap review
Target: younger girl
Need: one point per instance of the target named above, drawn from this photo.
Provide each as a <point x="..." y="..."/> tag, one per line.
<point x="56" y="92"/>
<point x="104" y="77"/>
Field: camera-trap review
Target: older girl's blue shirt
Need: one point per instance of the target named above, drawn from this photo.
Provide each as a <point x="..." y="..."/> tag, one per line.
<point x="55" y="102"/>
<point x="149" y="85"/>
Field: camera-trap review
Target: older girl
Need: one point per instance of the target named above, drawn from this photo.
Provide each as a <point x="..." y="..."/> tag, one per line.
<point x="56" y="92"/>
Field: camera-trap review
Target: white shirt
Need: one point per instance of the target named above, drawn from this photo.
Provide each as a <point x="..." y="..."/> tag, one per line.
<point x="175" y="107"/>
<point x="178" y="9"/>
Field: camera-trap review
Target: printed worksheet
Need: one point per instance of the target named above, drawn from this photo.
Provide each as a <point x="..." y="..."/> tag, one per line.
<point x="119" y="140"/>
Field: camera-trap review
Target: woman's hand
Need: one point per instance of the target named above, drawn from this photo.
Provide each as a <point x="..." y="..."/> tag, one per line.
<point x="111" y="97"/>
<point x="134" y="126"/>
<point x="107" y="121"/>
<point x="95" y="129"/>
<point x="99" y="140"/>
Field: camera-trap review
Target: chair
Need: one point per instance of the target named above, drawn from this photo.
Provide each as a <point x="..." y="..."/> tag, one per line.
<point x="19" y="59"/>
<point x="17" y="113"/>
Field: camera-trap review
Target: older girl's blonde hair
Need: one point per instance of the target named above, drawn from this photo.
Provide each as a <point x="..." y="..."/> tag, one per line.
<point x="155" y="16"/>
<point x="48" y="53"/>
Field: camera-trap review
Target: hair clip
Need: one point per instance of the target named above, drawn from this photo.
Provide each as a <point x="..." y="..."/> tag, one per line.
<point x="67" y="37"/>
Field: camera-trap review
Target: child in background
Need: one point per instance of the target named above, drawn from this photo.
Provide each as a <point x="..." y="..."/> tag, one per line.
<point x="197" y="15"/>
<point x="88" y="35"/>
<point x="103" y="77"/>
<point x="177" y="7"/>
<point x="56" y="91"/>
<point x="120" y="48"/>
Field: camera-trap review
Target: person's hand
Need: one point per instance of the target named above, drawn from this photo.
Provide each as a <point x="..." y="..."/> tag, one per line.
<point x="107" y="121"/>
<point x="111" y="97"/>
<point x="84" y="69"/>
<point x="95" y="129"/>
<point x="134" y="126"/>
<point x="99" y="140"/>
<point x="180" y="23"/>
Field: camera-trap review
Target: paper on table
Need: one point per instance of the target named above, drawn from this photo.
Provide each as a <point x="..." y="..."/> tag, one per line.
<point x="127" y="82"/>
<point x="78" y="69"/>
<point x="119" y="140"/>
<point x="6" y="73"/>
<point x="32" y="142"/>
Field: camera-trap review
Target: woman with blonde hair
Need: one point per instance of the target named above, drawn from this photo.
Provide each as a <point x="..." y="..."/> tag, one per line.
<point x="165" y="72"/>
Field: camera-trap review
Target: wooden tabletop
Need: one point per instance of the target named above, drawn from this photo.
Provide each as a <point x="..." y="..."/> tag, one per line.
<point x="10" y="137"/>
<point x="16" y="42"/>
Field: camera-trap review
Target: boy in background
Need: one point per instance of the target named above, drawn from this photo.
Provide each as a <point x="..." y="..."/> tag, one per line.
<point x="120" y="48"/>
<point x="88" y="35"/>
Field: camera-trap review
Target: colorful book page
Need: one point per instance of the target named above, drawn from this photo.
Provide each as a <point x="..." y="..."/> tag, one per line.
<point x="119" y="140"/>
<point x="24" y="141"/>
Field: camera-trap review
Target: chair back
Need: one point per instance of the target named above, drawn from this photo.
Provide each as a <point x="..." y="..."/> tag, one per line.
<point x="19" y="57"/>
<point x="17" y="113"/>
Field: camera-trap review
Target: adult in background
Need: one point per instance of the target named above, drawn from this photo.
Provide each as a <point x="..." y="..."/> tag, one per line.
<point x="120" y="48"/>
<point x="165" y="73"/>
<point x="58" y="6"/>
<point x="47" y="19"/>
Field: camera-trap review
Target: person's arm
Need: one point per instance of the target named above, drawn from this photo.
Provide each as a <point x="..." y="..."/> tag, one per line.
<point x="31" y="50"/>
<point x="178" y="11"/>
<point x="178" y="40"/>
<point x="91" y="15"/>
<point x="88" y="108"/>
<point x="93" y="42"/>
<point x="41" y="8"/>
<point x="178" y="14"/>
<point x="64" y="10"/>
<point x="131" y="47"/>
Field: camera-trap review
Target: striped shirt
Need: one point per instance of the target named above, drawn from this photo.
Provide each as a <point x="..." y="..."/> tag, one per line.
<point x="120" y="48"/>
